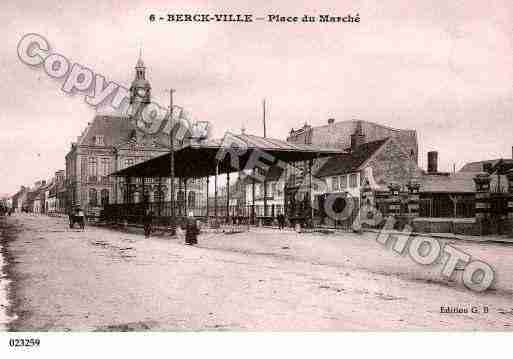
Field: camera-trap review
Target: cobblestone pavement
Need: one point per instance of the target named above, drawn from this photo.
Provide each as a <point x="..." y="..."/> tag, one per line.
<point x="103" y="279"/>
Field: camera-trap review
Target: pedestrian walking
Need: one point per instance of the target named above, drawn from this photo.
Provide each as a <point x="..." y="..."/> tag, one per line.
<point x="191" y="230"/>
<point x="148" y="221"/>
<point x="281" y="221"/>
<point x="80" y="217"/>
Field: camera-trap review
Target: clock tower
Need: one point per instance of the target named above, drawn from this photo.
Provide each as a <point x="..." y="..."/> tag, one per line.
<point x="140" y="90"/>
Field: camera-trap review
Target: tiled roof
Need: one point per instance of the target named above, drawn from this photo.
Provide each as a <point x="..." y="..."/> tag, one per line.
<point x="350" y="162"/>
<point x="114" y="130"/>
<point x="272" y="144"/>
<point x="453" y="183"/>
<point x="500" y="164"/>
<point x="477" y="166"/>
<point x="338" y="134"/>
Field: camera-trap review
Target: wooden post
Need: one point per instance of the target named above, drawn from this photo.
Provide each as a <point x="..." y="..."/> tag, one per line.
<point x="227" y="197"/>
<point x="253" y="199"/>
<point x="180" y="202"/>
<point x="185" y="196"/>
<point x="310" y="164"/>
<point x="127" y="190"/>
<point x="510" y="201"/>
<point x="215" y="193"/>
<point x="160" y="197"/>
<point x="482" y="202"/>
<point x="116" y="179"/>
<point x="208" y="181"/>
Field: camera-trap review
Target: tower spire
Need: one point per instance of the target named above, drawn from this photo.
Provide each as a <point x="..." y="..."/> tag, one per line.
<point x="140" y="62"/>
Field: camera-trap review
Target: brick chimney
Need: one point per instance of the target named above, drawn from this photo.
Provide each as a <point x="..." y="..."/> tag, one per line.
<point x="358" y="137"/>
<point x="432" y="162"/>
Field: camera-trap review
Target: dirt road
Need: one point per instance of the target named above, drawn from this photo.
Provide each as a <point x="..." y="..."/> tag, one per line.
<point x="103" y="279"/>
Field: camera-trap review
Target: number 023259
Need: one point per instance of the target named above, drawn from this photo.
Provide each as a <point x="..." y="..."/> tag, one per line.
<point x="24" y="342"/>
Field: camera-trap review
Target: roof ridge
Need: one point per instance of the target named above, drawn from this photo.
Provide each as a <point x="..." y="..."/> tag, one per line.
<point x="365" y="121"/>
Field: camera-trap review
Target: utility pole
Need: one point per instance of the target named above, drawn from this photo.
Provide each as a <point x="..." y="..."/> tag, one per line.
<point x="172" y="162"/>
<point x="263" y="106"/>
<point x="265" y="175"/>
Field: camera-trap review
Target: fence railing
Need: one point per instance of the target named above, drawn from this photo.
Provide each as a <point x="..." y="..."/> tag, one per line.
<point x="134" y="213"/>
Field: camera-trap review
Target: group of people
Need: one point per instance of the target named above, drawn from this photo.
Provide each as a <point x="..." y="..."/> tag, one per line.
<point x="191" y="227"/>
<point x="6" y="211"/>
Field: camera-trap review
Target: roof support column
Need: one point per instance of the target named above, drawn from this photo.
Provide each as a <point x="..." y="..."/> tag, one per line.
<point x="265" y="196"/>
<point x="227" y="197"/>
<point x="159" y="210"/>
<point x="253" y="198"/>
<point x="310" y="194"/>
<point x="207" y="214"/>
<point x="186" y="213"/>
<point x="180" y="199"/>
<point x="215" y="193"/>
<point x="144" y="199"/>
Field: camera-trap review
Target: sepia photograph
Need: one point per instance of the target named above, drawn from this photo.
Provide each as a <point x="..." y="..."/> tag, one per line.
<point x="197" y="167"/>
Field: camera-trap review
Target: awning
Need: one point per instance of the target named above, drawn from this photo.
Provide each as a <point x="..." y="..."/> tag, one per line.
<point x="235" y="153"/>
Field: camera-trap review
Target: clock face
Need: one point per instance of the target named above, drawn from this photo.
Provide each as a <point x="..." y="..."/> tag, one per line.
<point x="141" y="92"/>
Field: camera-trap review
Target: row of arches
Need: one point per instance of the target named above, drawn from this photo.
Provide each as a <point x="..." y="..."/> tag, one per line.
<point x="101" y="198"/>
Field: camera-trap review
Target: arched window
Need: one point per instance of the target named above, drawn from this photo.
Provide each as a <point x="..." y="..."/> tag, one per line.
<point x="136" y="197"/>
<point x="104" y="194"/>
<point x="93" y="197"/>
<point x="191" y="200"/>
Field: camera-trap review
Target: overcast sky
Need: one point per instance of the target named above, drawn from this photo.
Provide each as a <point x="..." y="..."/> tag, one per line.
<point x="444" y="70"/>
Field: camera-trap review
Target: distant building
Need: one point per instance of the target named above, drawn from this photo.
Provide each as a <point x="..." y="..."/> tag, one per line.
<point x="344" y="134"/>
<point x="492" y="166"/>
<point x="376" y="155"/>
<point x="35" y="199"/>
<point x="57" y="199"/>
<point x="387" y="155"/>
<point x="19" y="198"/>
<point x="60" y="192"/>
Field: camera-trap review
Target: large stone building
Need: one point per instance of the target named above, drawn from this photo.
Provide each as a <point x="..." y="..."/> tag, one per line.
<point x="341" y="134"/>
<point x="374" y="154"/>
<point x="57" y="196"/>
<point x="389" y="154"/>
<point x="111" y="143"/>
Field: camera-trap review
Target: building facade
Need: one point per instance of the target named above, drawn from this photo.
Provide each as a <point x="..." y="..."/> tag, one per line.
<point x="19" y="198"/>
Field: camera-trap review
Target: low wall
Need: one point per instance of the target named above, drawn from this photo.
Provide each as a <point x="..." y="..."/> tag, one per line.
<point x="466" y="226"/>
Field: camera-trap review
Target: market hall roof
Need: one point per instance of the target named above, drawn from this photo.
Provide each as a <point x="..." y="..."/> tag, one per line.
<point x="198" y="159"/>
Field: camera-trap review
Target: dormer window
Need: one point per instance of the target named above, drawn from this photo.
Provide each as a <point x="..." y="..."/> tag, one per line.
<point x="98" y="141"/>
